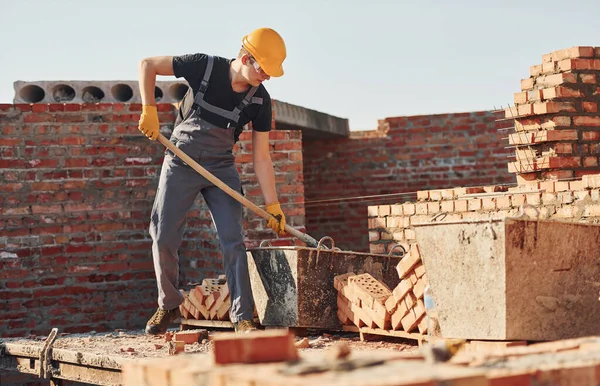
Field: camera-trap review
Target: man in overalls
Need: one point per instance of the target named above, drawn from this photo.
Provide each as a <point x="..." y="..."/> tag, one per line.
<point x="226" y="94"/>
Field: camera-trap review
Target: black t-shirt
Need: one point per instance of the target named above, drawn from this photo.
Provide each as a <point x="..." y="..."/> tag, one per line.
<point x="219" y="93"/>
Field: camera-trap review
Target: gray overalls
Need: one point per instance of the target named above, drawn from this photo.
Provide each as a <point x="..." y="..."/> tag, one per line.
<point x="178" y="187"/>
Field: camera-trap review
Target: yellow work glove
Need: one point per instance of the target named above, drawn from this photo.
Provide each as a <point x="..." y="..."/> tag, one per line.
<point x="149" y="122"/>
<point x="276" y="223"/>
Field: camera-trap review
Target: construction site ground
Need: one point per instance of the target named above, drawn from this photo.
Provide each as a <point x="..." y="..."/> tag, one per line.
<point x="404" y="362"/>
<point x="137" y="344"/>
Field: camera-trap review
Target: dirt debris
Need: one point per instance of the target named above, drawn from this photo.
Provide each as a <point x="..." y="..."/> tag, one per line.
<point x="135" y="343"/>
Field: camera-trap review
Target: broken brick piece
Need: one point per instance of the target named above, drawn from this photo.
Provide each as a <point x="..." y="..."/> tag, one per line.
<point x="254" y="347"/>
<point x="191" y="336"/>
<point x="176" y="347"/>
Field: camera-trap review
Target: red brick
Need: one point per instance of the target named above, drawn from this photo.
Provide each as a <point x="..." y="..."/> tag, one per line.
<point x="404" y="287"/>
<point x="558" y="174"/>
<point x="505" y="378"/>
<point x="535" y="70"/>
<point x="254" y="347"/>
<point x="576" y="185"/>
<point x="524" y="110"/>
<point x="552" y="107"/>
<point x="503" y="202"/>
<point x="590" y="135"/>
<point x="589" y="107"/>
<point x="560" y="92"/>
<point x="548" y="67"/>
<point x="409" y="209"/>
<point x="527" y="84"/>
<point x="590" y="162"/>
<point x="563" y="148"/>
<point x="176" y="347"/>
<point x="521" y="97"/>
<point x="384" y="210"/>
<point x="373" y="295"/>
<point x="460" y="205"/>
<point x="578" y="374"/>
<point x="410" y="321"/>
<point x="579" y="64"/>
<point x="586" y="121"/>
<point x="547" y="58"/>
<point x="556" y="79"/>
<point x="559" y="162"/>
<point x="581" y="52"/>
<point x="190" y="336"/>
<point x="408" y="262"/>
<point x="588" y="78"/>
<point x="535" y="95"/>
<point x="378" y="248"/>
<point x="420" y="269"/>
<point x="398" y="314"/>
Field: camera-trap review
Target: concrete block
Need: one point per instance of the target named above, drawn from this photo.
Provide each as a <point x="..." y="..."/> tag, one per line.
<point x="113" y="91"/>
<point x="513" y="279"/>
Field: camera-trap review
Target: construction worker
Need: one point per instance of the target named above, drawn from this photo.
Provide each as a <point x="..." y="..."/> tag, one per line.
<point x="225" y="95"/>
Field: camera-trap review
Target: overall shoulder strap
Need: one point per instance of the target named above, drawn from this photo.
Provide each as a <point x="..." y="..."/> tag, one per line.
<point x="204" y="82"/>
<point x="200" y="103"/>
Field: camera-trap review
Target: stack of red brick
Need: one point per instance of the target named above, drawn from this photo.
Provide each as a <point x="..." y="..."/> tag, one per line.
<point x="557" y="123"/>
<point x="207" y="301"/>
<point x="364" y="301"/>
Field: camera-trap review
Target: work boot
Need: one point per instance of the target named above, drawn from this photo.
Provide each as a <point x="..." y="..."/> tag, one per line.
<point x="161" y="320"/>
<point x="244" y="326"/>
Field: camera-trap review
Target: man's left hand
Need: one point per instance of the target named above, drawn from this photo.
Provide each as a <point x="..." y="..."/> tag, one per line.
<point x="276" y="223"/>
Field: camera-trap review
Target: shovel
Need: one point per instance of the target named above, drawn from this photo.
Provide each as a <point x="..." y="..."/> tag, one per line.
<point x="243" y="200"/>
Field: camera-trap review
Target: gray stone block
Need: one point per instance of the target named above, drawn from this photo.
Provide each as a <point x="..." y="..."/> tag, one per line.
<point x="513" y="279"/>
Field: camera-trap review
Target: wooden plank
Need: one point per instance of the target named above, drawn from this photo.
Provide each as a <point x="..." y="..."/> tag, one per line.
<point x="78" y="372"/>
<point x="207" y="323"/>
<point x="63" y="355"/>
<point x="85" y="374"/>
<point x="392" y="333"/>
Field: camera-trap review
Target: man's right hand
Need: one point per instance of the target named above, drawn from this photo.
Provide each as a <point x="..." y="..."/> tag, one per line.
<point x="149" y="124"/>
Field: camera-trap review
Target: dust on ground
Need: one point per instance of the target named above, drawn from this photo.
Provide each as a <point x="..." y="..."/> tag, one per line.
<point x="136" y="344"/>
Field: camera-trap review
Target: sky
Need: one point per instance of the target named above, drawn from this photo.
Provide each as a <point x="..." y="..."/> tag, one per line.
<point x="367" y="61"/>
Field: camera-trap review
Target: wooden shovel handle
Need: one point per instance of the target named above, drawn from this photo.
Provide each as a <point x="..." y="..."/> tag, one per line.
<point x="311" y="242"/>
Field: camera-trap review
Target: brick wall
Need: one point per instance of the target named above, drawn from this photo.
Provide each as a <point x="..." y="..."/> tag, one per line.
<point x="77" y="183"/>
<point x="557" y="123"/>
<point x="575" y="200"/>
<point x="404" y="155"/>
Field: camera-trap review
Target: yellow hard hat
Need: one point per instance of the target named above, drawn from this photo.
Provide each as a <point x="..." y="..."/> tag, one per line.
<point x="268" y="48"/>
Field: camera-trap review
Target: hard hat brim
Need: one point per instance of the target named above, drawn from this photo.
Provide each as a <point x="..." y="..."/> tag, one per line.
<point x="275" y="72"/>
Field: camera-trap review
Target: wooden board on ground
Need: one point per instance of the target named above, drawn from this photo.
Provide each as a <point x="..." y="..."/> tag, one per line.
<point x="366" y="331"/>
<point x="205" y="323"/>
